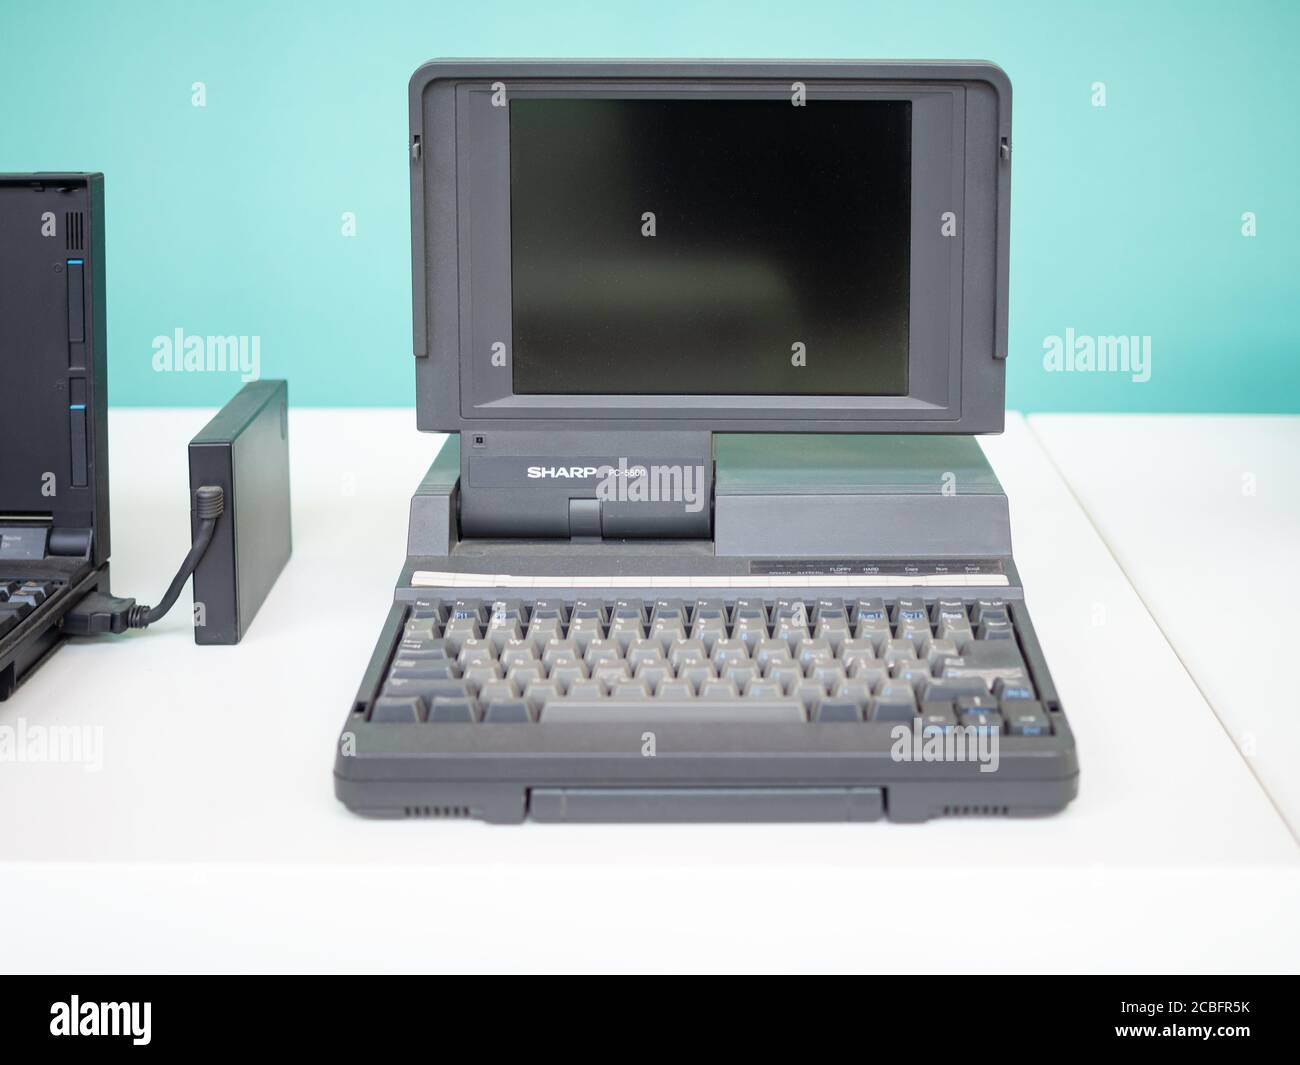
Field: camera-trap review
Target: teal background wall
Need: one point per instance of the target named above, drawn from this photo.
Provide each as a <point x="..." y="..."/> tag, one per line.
<point x="226" y="219"/>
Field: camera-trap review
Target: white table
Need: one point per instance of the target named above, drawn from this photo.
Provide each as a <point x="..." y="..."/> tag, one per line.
<point x="211" y="839"/>
<point x="1203" y="515"/>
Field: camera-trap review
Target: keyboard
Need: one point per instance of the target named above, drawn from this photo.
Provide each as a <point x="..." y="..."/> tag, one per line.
<point x="19" y="597"/>
<point x="937" y="662"/>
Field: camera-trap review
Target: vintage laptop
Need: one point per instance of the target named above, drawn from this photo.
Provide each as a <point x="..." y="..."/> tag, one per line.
<point x="53" y="432"/>
<point x="710" y="538"/>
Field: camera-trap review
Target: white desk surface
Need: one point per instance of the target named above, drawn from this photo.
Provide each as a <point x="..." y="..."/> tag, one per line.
<point x="211" y="838"/>
<point x="1202" y="512"/>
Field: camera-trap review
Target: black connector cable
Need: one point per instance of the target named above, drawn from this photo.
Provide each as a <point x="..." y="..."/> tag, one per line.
<point x="102" y="613"/>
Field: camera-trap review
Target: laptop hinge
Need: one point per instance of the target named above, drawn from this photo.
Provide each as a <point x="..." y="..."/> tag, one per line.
<point x="569" y="484"/>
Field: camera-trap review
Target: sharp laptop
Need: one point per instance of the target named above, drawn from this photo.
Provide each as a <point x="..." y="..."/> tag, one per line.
<point x="54" y="541"/>
<point x="710" y="537"/>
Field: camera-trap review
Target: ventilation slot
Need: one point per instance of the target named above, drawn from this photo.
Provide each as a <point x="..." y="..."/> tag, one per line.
<point x="74" y="230"/>
<point x="975" y="811"/>
<point x="436" y="811"/>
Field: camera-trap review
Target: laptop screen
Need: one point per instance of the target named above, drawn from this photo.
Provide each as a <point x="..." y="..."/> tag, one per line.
<point x="710" y="246"/>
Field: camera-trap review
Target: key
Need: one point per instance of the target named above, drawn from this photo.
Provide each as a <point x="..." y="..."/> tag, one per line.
<point x="791" y="631"/>
<point x="871" y="671"/>
<point x="725" y="652"/>
<point x="869" y="610"/>
<point x="771" y="650"/>
<point x="599" y="651"/>
<point x="756" y="688"/>
<point x="830" y="675"/>
<point x="632" y="689"/>
<point x="588" y="609"/>
<point x="610" y="673"/>
<point x="936" y="651"/>
<point x="428" y="610"/>
<point x="696" y="673"/>
<point x="834" y="631"/>
<point x="448" y="711"/>
<point x="625" y="633"/>
<point x="740" y="672"/>
<point x="391" y="710"/>
<point x="858" y="691"/>
<point x="687" y="651"/>
<point x="585" y="689"/>
<point x="425" y="669"/>
<point x="509" y="712"/>
<point x="855" y="650"/>
<point x="786" y="674"/>
<point x="911" y="609"/>
<point x="479" y="674"/>
<point x="504" y="611"/>
<point x="468" y="610"/>
<point x="644" y="651"/>
<point x="896" y="702"/>
<point x="749" y="631"/>
<point x="567" y="671"/>
<point x="957" y="632"/>
<point x="1026" y="718"/>
<point x="837" y="710"/>
<point x="896" y="651"/>
<point x="521" y="674"/>
<point x="668" y="610"/>
<point x="987" y="660"/>
<point x="475" y="652"/>
<point x="937" y="717"/>
<point x="667" y="633"/>
<point x="917" y="632"/>
<point x="654" y="672"/>
<point x="996" y="607"/>
<point x="670" y="711"/>
<point x="457" y="632"/>
<point x="811" y="652"/>
<point x="983" y="721"/>
<point x="809" y="693"/>
<point x="550" y="610"/>
<point x="970" y="704"/>
<point x="1009" y="689"/>
<point x="749" y="610"/>
<point x="427" y="689"/>
<point x="497" y="691"/>
<point x="675" y="691"/>
<point x="994" y="630"/>
<point x="560" y="649"/>
<point x="949" y="610"/>
<point x="539" y="693"/>
<point x="950" y="689"/>
<point x="542" y="631"/>
<point x="915" y="672"/>
<point x="719" y="689"/>
<point x="424" y="630"/>
<point x="583" y="631"/>
<point x="501" y="632"/>
<point x="32" y="594"/>
<point x="517" y="652"/>
<point x="631" y="610"/>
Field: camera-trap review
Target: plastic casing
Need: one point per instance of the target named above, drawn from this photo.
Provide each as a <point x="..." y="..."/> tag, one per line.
<point x="957" y="378"/>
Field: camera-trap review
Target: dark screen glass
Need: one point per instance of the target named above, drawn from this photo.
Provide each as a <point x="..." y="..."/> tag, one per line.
<point x="774" y="225"/>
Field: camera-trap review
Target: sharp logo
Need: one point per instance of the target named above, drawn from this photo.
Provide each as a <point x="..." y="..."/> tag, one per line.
<point x="580" y="473"/>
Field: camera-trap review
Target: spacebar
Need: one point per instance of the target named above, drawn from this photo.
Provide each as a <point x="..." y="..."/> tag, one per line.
<point x="655" y="711"/>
